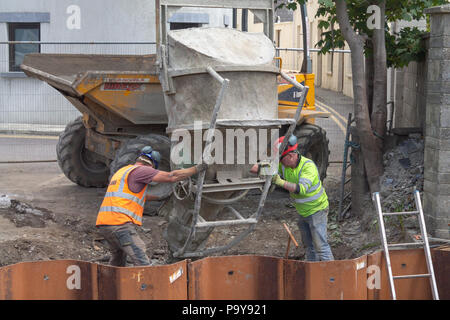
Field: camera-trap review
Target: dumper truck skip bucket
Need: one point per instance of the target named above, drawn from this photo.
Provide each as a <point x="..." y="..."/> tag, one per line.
<point x="121" y="100"/>
<point x="126" y="85"/>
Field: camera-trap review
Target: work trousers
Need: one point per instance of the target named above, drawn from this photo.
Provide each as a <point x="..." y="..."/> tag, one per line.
<point x="124" y="241"/>
<point x="313" y="230"/>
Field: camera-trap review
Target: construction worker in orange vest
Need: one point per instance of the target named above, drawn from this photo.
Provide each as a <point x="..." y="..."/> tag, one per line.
<point x="123" y="206"/>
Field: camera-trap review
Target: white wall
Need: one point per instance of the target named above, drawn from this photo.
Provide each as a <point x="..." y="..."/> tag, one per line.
<point x="101" y="20"/>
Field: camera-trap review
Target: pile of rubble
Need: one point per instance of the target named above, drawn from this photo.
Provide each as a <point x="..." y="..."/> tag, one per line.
<point x="403" y="173"/>
<point x="22" y="214"/>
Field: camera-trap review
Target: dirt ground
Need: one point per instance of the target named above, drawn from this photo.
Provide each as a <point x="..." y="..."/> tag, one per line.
<point x="50" y="218"/>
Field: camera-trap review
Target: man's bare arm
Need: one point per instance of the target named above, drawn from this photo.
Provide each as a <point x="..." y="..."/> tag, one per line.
<point x="151" y="198"/>
<point x="176" y="175"/>
<point x="254" y="169"/>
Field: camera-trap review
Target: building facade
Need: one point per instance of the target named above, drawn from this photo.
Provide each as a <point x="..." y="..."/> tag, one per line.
<point x="332" y="71"/>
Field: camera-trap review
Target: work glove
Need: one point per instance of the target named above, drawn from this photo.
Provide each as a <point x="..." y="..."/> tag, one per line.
<point x="265" y="169"/>
<point x="276" y="179"/>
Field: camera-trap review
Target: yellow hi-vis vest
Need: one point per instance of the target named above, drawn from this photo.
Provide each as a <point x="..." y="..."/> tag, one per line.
<point x="312" y="196"/>
<point x="121" y="205"/>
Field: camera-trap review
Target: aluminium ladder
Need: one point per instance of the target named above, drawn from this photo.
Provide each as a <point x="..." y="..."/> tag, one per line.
<point x="424" y="242"/>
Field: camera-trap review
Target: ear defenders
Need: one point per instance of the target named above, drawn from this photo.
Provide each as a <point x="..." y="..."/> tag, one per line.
<point x="152" y="155"/>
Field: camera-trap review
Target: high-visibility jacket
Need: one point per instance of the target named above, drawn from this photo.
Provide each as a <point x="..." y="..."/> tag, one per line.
<point x="120" y="204"/>
<point x="312" y="196"/>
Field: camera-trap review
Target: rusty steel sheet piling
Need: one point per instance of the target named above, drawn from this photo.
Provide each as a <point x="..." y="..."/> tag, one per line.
<point x="441" y="263"/>
<point x="336" y="280"/>
<point x="403" y="262"/>
<point x="245" y="277"/>
<point x="49" y="280"/>
<point x="168" y="282"/>
<point x="236" y="278"/>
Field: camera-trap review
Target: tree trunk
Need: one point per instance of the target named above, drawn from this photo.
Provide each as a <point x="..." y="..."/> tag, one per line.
<point x="369" y="78"/>
<point x="368" y="142"/>
<point x="360" y="187"/>
<point x="379" y="106"/>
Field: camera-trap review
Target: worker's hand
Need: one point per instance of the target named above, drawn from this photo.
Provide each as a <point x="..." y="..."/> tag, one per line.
<point x="262" y="166"/>
<point x="276" y="179"/>
<point x="266" y="168"/>
<point x="201" y="167"/>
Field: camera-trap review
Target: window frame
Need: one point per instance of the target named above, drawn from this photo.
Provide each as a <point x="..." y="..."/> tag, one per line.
<point x="12" y="26"/>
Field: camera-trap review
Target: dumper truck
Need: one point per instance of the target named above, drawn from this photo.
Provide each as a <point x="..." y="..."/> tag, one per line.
<point x="199" y="80"/>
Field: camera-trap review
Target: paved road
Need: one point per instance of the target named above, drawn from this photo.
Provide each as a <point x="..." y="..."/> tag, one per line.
<point x="27" y="148"/>
<point x="339" y="106"/>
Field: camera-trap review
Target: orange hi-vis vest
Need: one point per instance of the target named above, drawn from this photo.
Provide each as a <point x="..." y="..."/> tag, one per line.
<point x="121" y="205"/>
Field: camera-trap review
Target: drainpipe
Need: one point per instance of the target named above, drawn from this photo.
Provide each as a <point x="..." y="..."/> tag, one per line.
<point x="245" y="20"/>
<point x="307" y="64"/>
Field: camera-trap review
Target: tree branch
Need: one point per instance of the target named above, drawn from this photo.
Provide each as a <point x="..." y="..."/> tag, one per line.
<point x="379" y="108"/>
<point x="349" y="34"/>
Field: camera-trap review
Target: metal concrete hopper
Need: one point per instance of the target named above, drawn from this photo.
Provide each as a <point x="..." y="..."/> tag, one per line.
<point x="220" y="79"/>
<point x="245" y="59"/>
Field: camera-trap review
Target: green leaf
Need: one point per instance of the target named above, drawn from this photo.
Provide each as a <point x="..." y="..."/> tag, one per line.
<point x="324" y="24"/>
<point x="326" y="3"/>
<point x="406" y="16"/>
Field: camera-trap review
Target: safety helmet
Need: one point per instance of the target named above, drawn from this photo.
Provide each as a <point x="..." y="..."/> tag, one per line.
<point x="153" y="155"/>
<point x="291" y="146"/>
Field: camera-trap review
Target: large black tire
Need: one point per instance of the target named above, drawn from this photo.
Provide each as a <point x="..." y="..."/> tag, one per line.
<point x="76" y="161"/>
<point x="130" y="150"/>
<point x="313" y="144"/>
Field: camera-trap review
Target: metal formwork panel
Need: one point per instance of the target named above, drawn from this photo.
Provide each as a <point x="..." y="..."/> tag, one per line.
<point x="403" y="262"/>
<point x="294" y="280"/>
<point x="228" y="278"/>
<point x="49" y="280"/>
<point x="336" y="280"/>
<point x="441" y="263"/>
<point x="168" y="282"/>
<point x="236" y="278"/>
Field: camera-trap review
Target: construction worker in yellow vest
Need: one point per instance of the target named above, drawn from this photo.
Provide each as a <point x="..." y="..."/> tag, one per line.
<point x="123" y="206"/>
<point x="300" y="176"/>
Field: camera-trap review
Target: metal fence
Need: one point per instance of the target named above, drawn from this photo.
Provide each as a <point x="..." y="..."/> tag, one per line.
<point x="32" y="113"/>
<point x="293" y="57"/>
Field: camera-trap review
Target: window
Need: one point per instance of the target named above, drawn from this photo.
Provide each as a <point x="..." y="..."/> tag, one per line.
<point x="22" y="32"/>
<point x="184" y="20"/>
<point x="330" y="62"/>
<point x="330" y="55"/>
<point x="185" y="25"/>
<point x="278" y="38"/>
